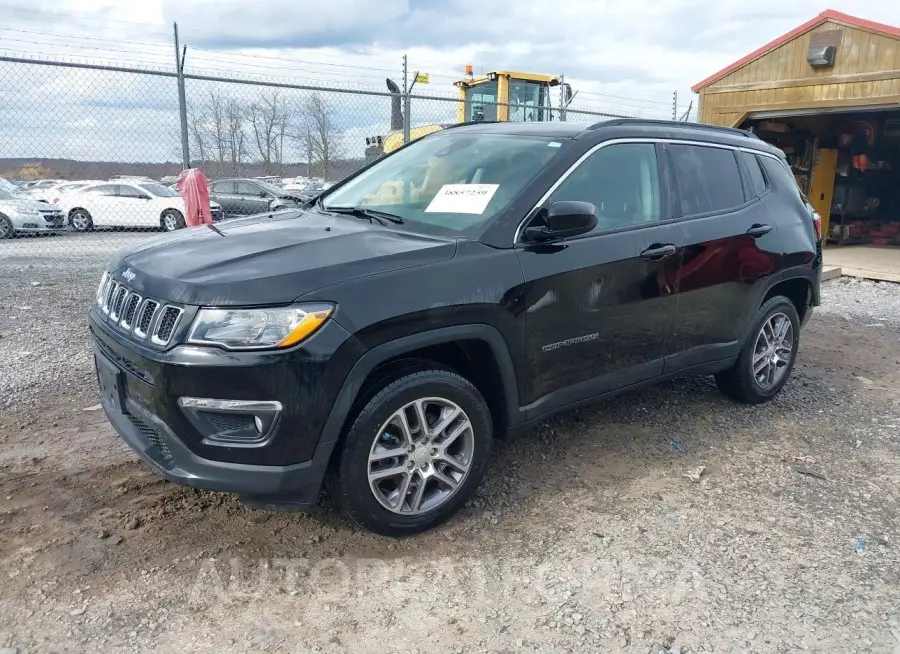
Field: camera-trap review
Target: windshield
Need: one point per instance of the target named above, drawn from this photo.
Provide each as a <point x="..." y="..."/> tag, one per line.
<point x="453" y="180"/>
<point x="271" y="188"/>
<point x="9" y="187"/>
<point x="159" y="190"/>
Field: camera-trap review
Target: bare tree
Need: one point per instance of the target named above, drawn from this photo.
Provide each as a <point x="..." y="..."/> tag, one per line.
<point x="318" y="134"/>
<point x="268" y="118"/>
<point x="198" y="138"/>
<point x="236" y="136"/>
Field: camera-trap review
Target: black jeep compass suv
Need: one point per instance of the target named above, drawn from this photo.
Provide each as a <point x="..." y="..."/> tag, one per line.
<point x="469" y="284"/>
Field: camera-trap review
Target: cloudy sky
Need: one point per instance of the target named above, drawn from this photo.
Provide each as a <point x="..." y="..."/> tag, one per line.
<point x="623" y="56"/>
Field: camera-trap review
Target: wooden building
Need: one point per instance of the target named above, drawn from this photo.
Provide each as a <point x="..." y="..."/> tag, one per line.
<point x="828" y="94"/>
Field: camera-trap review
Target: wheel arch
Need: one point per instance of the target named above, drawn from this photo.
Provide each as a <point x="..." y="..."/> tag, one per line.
<point x="12" y="231"/>
<point x="423" y="346"/>
<point x="799" y="289"/>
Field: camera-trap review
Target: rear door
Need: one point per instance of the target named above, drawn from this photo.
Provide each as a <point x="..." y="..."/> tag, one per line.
<point x="102" y="204"/>
<point x="135" y="207"/>
<point x="223" y="193"/>
<point x="731" y="248"/>
<point x="599" y="307"/>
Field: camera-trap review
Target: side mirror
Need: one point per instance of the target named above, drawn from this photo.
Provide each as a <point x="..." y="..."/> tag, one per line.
<point x="263" y="194"/>
<point x="564" y="219"/>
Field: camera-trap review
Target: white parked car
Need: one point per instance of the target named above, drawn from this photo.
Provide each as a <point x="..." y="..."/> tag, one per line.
<point x="35" y="189"/>
<point x="53" y="194"/>
<point x="127" y="205"/>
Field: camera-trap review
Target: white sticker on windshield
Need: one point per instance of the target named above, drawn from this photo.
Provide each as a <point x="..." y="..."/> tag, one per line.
<point x="554" y="144"/>
<point x="462" y="198"/>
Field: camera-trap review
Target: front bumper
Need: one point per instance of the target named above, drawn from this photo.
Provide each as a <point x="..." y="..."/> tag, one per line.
<point x="38" y="225"/>
<point x="140" y="393"/>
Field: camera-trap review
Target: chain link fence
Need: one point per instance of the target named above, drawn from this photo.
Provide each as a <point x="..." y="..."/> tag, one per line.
<point x="89" y="154"/>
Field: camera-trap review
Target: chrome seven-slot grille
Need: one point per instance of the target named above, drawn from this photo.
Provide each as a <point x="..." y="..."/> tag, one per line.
<point x="144" y="318"/>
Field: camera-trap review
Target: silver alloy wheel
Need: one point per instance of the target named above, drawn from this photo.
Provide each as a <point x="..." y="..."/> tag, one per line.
<point x="170" y="222"/>
<point x="6" y="227"/>
<point x="773" y="351"/>
<point x="421" y="456"/>
<point x="80" y="221"/>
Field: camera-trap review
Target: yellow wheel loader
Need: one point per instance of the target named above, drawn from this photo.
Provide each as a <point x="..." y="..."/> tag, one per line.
<point x="495" y="96"/>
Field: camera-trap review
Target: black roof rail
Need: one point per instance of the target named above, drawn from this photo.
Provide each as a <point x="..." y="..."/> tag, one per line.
<point x="471" y="122"/>
<point x="651" y="121"/>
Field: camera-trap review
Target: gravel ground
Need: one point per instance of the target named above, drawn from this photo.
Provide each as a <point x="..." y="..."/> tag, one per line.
<point x="46" y="285"/>
<point x="591" y="533"/>
<point x="860" y="299"/>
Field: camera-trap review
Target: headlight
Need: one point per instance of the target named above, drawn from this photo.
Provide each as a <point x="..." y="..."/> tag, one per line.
<point x="247" y="329"/>
<point x="101" y="290"/>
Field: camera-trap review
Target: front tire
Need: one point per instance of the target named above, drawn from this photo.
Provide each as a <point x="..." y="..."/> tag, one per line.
<point x="768" y="356"/>
<point x="80" y="220"/>
<point x="6" y="228"/>
<point x="171" y="220"/>
<point x="415" y="453"/>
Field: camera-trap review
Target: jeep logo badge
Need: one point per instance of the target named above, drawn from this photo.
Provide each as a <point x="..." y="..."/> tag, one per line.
<point x="128" y="274"/>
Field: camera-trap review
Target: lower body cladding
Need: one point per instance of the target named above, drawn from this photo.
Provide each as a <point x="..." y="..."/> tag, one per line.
<point x="245" y="423"/>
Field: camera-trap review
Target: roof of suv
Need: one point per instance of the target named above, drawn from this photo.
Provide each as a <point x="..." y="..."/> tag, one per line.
<point x="644" y="127"/>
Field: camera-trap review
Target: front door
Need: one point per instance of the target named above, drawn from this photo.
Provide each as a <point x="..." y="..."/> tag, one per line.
<point x="730" y="249"/>
<point x="253" y="198"/>
<point x="599" y="308"/>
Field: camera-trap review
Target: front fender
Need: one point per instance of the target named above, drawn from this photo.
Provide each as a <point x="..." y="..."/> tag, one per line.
<point x="400" y="346"/>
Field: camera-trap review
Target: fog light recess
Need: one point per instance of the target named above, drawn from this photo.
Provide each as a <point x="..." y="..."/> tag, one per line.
<point x="232" y="423"/>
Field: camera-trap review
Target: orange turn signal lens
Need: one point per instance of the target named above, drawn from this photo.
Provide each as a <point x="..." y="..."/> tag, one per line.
<point x="306" y="327"/>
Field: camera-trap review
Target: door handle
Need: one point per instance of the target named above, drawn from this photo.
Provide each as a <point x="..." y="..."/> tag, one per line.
<point x="756" y="230"/>
<point x="657" y="252"/>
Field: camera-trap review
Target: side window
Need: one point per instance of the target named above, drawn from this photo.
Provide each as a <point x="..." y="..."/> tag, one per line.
<point x="757" y="178"/>
<point x="247" y="188"/>
<point x="779" y="174"/>
<point x="223" y="187"/>
<point x="481" y="102"/>
<point x="708" y="179"/>
<point x="621" y="181"/>
<point x="127" y="191"/>
<point x="102" y="189"/>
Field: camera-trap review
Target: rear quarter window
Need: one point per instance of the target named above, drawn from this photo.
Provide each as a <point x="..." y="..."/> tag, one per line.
<point x="754" y="167"/>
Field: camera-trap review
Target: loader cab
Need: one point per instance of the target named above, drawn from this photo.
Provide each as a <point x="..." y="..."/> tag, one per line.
<point x="506" y="96"/>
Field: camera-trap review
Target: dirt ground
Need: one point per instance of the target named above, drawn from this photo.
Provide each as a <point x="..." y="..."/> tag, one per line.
<point x="587" y="535"/>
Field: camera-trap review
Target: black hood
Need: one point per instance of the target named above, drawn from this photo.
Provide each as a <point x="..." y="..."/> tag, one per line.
<point x="269" y="259"/>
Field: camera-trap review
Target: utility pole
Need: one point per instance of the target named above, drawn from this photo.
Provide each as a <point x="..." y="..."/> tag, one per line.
<point x="562" y="98"/>
<point x="406" y="101"/>
<point x="675" y="105"/>
<point x="182" y="102"/>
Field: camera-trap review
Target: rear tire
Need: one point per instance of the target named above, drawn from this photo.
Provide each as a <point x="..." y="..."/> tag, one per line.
<point x="80" y="220"/>
<point x="172" y="220"/>
<point x="768" y="355"/>
<point x="396" y="479"/>
<point x="6" y="228"/>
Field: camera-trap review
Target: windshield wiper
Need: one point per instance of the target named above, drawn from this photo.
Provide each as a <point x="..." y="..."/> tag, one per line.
<point x="382" y="217"/>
